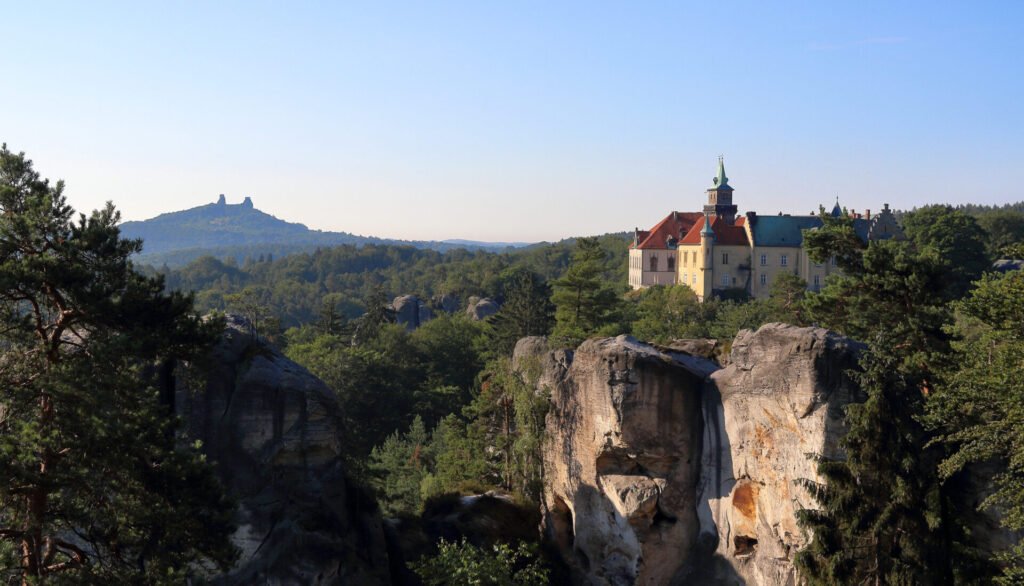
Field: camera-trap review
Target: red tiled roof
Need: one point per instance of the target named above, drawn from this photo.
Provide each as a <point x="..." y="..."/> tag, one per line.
<point x="724" y="233"/>
<point x="675" y="225"/>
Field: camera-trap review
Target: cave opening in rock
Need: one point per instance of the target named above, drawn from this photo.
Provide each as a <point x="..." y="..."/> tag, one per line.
<point x="745" y="545"/>
<point x="562" y="527"/>
<point x="661" y="519"/>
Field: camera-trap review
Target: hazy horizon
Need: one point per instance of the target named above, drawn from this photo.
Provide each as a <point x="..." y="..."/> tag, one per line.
<point x="515" y="123"/>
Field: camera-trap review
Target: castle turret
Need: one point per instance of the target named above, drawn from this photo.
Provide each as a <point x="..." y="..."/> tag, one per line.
<point x="222" y="200"/>
<point x="707" y="255"/>
<point x="247" y="202"/>
<point x="720" y="196"/>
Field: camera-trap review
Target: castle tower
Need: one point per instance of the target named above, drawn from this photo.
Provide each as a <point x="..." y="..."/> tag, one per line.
<point x="720" y="196"/>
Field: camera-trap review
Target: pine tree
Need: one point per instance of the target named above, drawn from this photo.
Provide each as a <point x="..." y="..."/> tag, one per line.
<point x="979" y="410"/>
<point x="526" y="310"/>
<point x="885" y="517"/>
<point x="93" y="488"/>
<point x="583" y="300"/>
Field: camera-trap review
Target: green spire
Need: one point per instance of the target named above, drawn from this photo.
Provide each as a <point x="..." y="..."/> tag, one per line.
<point x="721" y="180"/>
<point x="707" y="231"/>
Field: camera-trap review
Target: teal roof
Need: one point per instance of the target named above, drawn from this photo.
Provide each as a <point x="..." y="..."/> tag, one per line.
<point x="721" y="180"/>
<point x="707" y="231"/>
<point x="782" y="230"/>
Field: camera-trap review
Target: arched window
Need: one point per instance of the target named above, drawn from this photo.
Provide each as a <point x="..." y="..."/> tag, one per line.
<point x="654" y="263"/>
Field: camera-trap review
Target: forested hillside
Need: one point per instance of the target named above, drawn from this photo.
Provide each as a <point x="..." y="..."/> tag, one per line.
<point x="296" y="289"/>
<point x="239" y="231"/>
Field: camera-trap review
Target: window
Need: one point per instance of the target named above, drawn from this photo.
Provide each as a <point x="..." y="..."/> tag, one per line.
<point x="671" y="263"/>
<point x="833" y="261"/>
<point x="694" y="278"/>
<point x="817" y="281"/>
<point x="764" y="279"/>
<point x="726" y="281"/>
<point x="764" y="260"/>
<point x="783" y="260"/>
<point x="654" y="263"/>
<point x="725" y="258"/>
<point x="685" y="277"/>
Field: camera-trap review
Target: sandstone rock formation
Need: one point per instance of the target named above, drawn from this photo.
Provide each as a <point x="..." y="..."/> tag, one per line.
<point x="621" y="458"/>
<point x="446" y="302"/>
<point x="662" y="468"/>
<point x="411" y="311"/>
<point x="479" y="309"/>
<point x="273" y="431"/>
<point x="779" y="401"/>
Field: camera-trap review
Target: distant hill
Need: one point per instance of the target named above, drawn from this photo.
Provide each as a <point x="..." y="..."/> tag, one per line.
<point x="240" y="230"/>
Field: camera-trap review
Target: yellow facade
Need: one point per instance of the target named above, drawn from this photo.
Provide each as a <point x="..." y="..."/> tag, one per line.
<point x="709" y="267"/>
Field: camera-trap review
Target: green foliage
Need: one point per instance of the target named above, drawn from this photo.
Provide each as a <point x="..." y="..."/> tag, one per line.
<point x="980" y="409"/>
<point x="584" y="303"/>
<point x="509" y="415"/>
<point x="464" y="564"/>
<point x="526" y="310"/>
<point x="668" y="313"/>
<point x="398" y="467"/>
<point x="253" y="304"/>
<point x="886" y="517"/>
<point x="1001" y="228"/>
<point x="956" y="240"/>
<point x="93" y="488"/>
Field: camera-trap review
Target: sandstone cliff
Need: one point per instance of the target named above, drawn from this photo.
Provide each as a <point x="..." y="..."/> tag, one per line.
<point x="778" y="402"/>
<point x="274" y="433"/>
<point x="662" y="468"/>
<point x="621" y="458"/>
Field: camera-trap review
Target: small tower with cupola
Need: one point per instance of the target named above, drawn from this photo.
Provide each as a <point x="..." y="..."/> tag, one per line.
<point x="720" y="196"/>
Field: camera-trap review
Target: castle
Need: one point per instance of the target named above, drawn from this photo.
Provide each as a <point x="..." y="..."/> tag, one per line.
<point x="714" y="251"/>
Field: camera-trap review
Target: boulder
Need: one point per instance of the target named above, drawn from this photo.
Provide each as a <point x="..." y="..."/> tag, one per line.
<point x="411" y="312"/>
<point x="779" y="401"/>
<point x="480" y="309"/>
<point x="621" y="458"/>
<point x="274" y="434"/>
<point x="447" y="303"/>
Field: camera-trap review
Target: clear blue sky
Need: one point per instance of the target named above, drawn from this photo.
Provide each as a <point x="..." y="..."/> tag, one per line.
<point x="515" y="120"/>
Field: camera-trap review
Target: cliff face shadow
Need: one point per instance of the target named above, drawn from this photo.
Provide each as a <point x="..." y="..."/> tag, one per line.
<point x="715" y="485"/>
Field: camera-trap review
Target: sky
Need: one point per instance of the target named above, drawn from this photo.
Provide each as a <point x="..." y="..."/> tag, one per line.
<point x="515" y="121"/>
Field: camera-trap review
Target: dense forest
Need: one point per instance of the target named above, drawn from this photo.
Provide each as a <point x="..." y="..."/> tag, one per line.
<point x="440" y="410"/>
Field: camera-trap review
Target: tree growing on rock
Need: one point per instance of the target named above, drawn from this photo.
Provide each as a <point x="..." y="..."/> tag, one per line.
<point x="93" y="488"/>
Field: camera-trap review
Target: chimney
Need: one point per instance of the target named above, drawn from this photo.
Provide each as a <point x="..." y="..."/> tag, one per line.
<point x="867" y="214"/>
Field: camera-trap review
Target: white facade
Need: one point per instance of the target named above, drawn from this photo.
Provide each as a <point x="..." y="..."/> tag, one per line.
<point x="651" y="266"/>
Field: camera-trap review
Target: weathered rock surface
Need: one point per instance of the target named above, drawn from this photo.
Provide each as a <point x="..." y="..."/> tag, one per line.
<point x="621" y="458"/>
<point x="778" y="401"/>
<point x="479" y="309"/>
<point x="273" y="431"/>
<point x="411" y="311"/>
<point x="446" y="302"/>
<point x="662" y="468"/>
